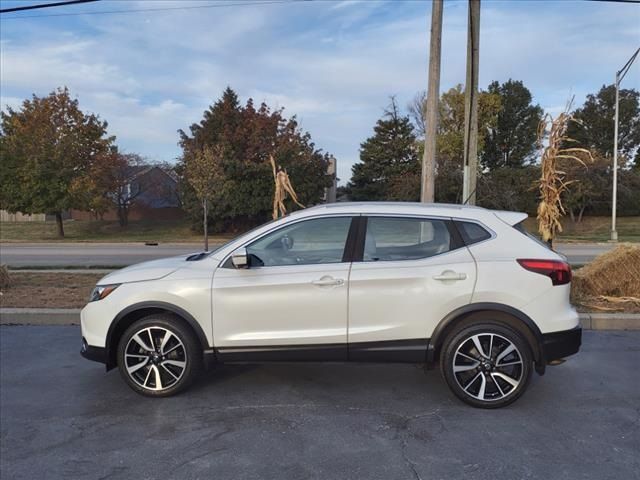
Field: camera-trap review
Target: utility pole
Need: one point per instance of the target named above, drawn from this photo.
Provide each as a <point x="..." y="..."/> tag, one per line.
<point x="619" y="76"/>
<point x="471" y="106"/>
<point x="205" y="223"/>
<point x="427" y="193"/>
<point x="330" y="192"/>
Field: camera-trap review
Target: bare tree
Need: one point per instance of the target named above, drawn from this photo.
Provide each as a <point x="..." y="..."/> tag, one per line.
<point x="416" y="112"/>
<point x="129" y="183"/>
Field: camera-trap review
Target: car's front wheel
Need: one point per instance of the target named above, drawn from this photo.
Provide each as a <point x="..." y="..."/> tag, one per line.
<point x="487" y="365"/>
<point x="159" y="356"/>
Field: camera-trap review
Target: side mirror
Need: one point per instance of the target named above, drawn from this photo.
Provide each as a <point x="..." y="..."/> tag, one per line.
<point x="286" y="242"/>
<point x="240" y="258"/>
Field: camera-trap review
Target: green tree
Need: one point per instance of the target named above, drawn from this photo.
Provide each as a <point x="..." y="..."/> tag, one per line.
<point x="204" y="174"/>
<point x="385" y="158"/>
<point x="248" y="135"/>
<point x="509" y="188"/>
<point x="450" y="141"/>
<point x="628" y="192"/>
<point x="596" y="128"/>
<point x="590" y="191"/>
<point x="512" y="142"/>
<point x="46" y="145"/>
<point x="590" y="185"/>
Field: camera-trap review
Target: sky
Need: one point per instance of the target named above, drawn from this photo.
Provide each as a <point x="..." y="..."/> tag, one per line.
<point x="333" y="64"/>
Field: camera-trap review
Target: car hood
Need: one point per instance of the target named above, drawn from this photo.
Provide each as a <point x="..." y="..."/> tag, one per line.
<point x="151" y="270"/>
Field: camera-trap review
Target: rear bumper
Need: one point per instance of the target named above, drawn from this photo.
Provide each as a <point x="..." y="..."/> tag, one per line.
<point x="561" y="344"/>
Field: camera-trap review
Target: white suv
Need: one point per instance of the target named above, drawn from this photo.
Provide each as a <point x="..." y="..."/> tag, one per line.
<point x="383" y="282"/>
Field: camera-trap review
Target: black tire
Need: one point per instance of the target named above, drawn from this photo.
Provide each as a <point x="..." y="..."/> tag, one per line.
<point x="160" y="375"/>
<point x="488" y="383"/>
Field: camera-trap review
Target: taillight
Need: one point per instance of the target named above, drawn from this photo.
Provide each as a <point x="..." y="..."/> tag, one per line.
<point x="558" y="271"/>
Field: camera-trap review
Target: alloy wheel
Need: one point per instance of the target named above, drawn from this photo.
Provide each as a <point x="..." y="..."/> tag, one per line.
<point x="488" y="367"/>
<point x="155" y="358"/>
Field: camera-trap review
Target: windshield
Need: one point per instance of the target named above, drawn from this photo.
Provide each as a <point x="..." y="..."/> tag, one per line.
<point x="220" y="247"/>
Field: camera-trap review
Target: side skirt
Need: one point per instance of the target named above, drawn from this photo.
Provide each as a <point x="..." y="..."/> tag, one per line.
<point x="284" y="353"/>
<point x="401" y="351"/>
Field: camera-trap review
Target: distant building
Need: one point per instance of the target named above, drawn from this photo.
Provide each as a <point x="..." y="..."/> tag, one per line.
<point x="153" y="192"/>
<point x="21" y="217"/>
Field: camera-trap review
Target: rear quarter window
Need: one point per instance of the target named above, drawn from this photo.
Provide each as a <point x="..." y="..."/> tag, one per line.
<point x="520" y="227"/>
<point x="472" y="232"/>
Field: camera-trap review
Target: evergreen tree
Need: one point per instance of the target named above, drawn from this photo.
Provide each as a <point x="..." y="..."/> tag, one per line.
<point x="385" y="158"/>
<point x="512" y="142"/>
<point x="595" y="129"/>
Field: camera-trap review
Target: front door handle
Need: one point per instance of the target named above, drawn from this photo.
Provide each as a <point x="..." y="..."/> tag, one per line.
<point x="450" y="275"/>
<point x="328" y="281"/>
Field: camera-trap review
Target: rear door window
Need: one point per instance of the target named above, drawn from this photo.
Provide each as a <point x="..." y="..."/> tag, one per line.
<point x="399" y="238"/>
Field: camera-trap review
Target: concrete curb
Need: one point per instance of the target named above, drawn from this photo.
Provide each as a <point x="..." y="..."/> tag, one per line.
<point x="71" y="316"/>
<point x="39" y="316"/>
<point x="74" y="271"/>
<point x="610" y="321"/>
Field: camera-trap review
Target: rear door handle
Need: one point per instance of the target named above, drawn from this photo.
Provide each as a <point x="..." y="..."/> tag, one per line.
<point x="328" y="281"/>
<point x="450" y="275"/>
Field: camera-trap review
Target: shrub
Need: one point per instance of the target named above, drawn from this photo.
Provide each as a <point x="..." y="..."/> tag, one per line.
<point x="5" y="279"/>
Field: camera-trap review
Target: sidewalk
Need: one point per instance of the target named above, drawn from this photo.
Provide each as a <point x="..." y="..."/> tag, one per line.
<point x="71" y="316"/>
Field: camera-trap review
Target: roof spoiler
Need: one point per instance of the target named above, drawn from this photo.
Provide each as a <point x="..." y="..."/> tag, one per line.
<point x="510" y="218"/>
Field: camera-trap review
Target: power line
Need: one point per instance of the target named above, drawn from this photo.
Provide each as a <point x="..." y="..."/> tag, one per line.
<point x="45" y="5"/>
<point x="160" y="9"/>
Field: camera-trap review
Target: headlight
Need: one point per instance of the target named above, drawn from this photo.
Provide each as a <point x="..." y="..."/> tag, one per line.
<point x="101" y="291"/>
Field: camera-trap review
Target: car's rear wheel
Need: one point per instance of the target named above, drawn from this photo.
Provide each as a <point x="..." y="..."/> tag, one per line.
<point x="159" y="356"/>
<point x="487" y="365"/>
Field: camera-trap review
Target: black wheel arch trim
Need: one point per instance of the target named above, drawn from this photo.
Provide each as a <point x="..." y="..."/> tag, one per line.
<point x="169" y="307"/>
<point x="437" y="337"/>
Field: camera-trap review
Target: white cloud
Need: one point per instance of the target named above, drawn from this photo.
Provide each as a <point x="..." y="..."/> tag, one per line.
<point x="44" y="67"/>
<point x="332" y="64"/>
<point x="10" y="102"/>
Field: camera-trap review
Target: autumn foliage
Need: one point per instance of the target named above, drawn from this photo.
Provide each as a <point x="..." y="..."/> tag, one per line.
<point x="46" y="146"/>
<point x="241" y="188"/>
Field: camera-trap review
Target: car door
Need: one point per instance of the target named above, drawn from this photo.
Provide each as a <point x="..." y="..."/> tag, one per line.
<point x="291" y="302"/>
<point x="412" y="272"/>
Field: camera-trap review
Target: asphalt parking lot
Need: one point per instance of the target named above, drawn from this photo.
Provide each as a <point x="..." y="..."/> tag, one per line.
<point x="63" y="417"/>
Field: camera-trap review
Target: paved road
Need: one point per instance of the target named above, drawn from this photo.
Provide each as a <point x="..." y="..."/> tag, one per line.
<point x="88" y="254"/>
<point x="110" y="254"/>
<point x="63" y="417"/>
<point x="583" y="253"/>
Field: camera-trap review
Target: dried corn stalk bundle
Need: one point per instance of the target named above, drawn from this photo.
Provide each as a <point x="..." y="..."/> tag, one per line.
<point x="552" y="179"/>
<point x="283" y="187"/>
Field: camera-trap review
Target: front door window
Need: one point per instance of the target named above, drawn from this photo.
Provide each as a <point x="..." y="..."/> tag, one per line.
<point x="310" y="242"/>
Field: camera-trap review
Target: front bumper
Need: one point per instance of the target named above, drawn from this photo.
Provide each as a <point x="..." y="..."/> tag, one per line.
<point x="97" y="354"/>
<point x="557" y="345"/>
